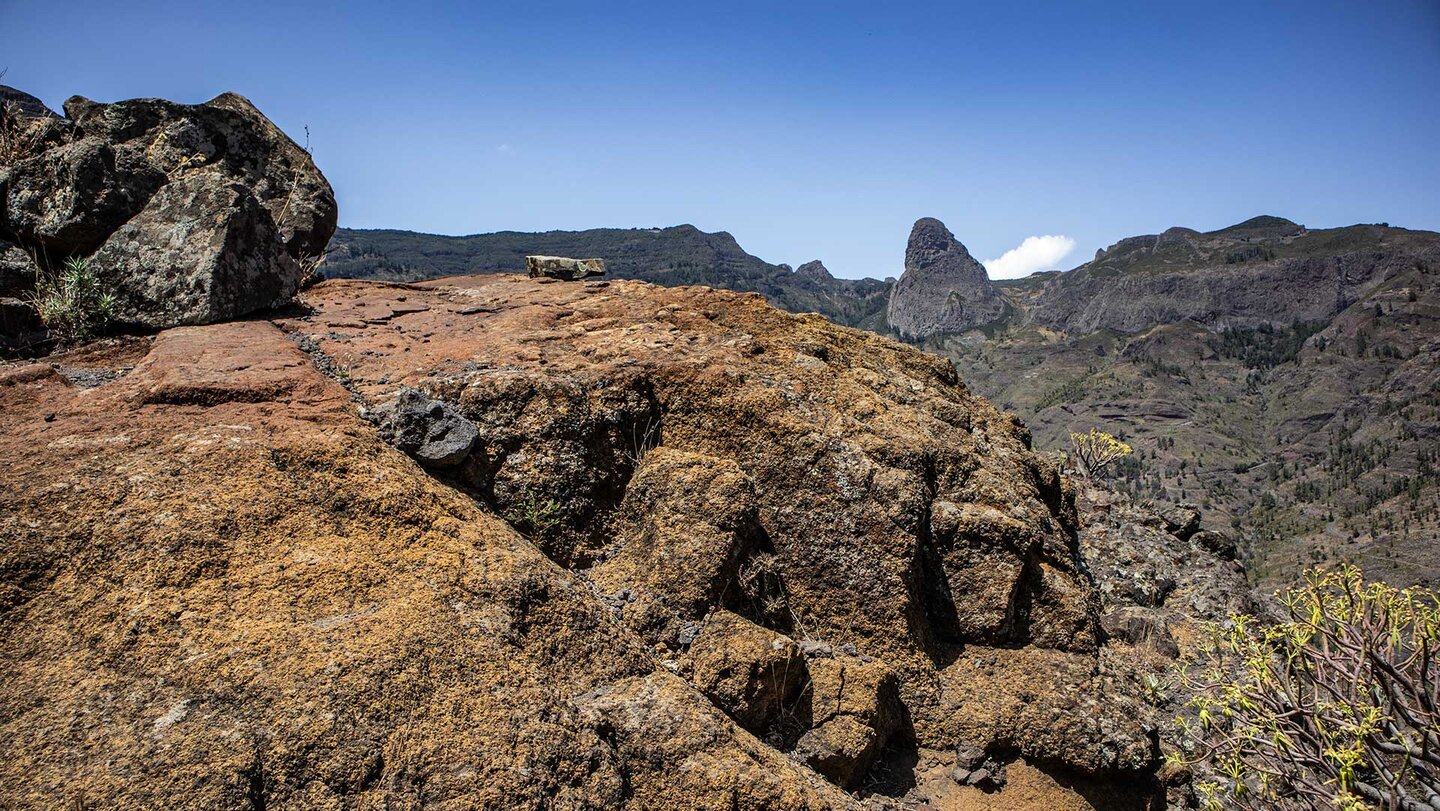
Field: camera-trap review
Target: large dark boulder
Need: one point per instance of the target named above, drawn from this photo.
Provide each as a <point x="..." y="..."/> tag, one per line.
<point x="190" y="214"/>
<point x="203" y="250"/>
<point x="227" y="135"/>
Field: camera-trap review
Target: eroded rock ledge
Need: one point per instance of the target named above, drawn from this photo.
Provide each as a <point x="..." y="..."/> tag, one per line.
<point x="699" y="553"/>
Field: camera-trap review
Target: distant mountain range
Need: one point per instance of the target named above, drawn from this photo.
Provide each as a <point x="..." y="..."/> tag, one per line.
<point x="1285" y="379"/>
<point x="674" y="256"/>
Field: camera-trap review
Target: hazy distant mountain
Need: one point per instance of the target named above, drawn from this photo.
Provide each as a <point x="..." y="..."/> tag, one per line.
<point x="679" y="255"/>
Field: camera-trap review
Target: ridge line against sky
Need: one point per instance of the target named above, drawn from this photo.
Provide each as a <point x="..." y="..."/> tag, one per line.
<point x="808" y="130"/>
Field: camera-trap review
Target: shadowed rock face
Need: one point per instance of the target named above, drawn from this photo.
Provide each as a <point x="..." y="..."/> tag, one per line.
<point x="245" y="593"/>
<point x="943" y="288"/>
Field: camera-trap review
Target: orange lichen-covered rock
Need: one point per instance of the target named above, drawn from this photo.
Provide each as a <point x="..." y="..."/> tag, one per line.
<point x="220" y="586"/>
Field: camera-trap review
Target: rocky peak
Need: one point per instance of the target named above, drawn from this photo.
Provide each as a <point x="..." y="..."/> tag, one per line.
<point x="1262" y="227"/>
<point x="814" y="270"/>
<point x="943" y="289"/>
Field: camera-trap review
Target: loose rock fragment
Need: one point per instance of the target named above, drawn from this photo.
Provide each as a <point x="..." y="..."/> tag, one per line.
<point x="563" y="268"/>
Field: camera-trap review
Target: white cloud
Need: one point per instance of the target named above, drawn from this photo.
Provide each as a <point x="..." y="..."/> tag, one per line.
<point x="504" y="149"/>
<point x="1035" y="253"/>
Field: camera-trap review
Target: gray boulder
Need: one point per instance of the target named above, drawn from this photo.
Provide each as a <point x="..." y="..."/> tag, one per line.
<point x="943" y="288"/>
<point x="432" y="432"/>
<point x="227" y="135"/>
<point x="560" y="267"/>
<point x="203" y="250"/>
<point x="66" y="200"/>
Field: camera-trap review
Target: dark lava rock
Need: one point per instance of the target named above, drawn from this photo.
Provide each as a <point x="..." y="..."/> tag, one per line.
<point x="66" y="200"/>
<point x="228" y="135"/>
<point x="20" y="328"/>
<point x="191" y="213"/>
<point x="203" y="250"/>
<point x="432" y="432"/>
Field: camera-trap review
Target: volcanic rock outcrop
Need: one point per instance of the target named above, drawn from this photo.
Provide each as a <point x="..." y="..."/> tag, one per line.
<point x="699" y="553"/>
<point x="189" y="214"/>
<point x="943" y="288"/>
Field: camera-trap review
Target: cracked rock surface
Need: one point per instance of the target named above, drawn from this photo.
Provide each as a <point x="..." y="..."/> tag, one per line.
<point x="221" y="585"/>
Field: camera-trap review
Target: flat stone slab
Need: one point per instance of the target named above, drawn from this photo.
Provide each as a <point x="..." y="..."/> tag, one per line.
<point x="566" y="269"/>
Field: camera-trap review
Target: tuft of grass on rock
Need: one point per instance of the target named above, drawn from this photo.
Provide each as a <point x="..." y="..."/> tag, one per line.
<point x="72" y="302"/>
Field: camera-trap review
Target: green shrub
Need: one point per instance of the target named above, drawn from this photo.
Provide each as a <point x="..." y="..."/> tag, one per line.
<point x="1333" y="707"/>
<point x="72" y="303"/>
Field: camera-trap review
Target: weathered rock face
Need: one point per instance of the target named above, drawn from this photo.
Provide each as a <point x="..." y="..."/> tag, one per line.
<point x="701" y="554"/>
<point x="193" y="213"/>
<point x="750" y="672"/>
<point x="65" y="201"/>
<point x="853" y="710"/>
<point x="686" y="526"/>
<point x="876" y="504"/>
<point x="203" y="250"/>
<point x="253" y="601"/>
<point x="226" y="135"/>
<point x="563" y="268"/>
<point x="943" y="288"/>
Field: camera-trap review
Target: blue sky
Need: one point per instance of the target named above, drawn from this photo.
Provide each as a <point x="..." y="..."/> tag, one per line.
<point x="808" y="130"/>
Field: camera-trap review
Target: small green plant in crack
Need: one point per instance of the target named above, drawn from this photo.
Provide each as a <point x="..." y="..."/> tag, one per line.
<point x="535" y="517"/>
<point x="1156" y="689"/>
<point x="72" y="303"/>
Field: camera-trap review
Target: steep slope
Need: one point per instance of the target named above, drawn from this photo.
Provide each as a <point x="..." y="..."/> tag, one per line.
<point x="678" y="255"/>
<point x="680" y="549"/>
<point x="943" y="288"/>
<point x="1264" y="271"/>
<point x="1284" y="377"/>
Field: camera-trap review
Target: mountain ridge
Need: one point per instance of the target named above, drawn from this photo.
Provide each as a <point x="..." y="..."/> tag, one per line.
<point x="671" y="256"/>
